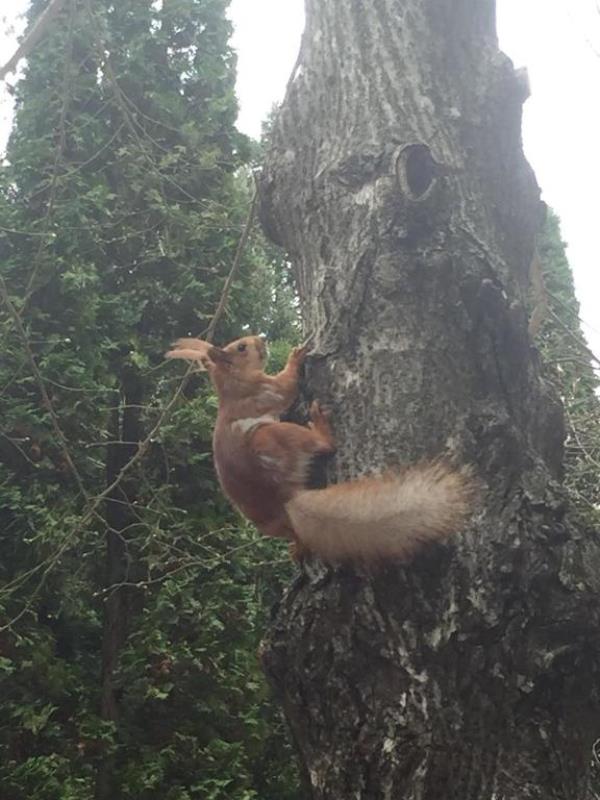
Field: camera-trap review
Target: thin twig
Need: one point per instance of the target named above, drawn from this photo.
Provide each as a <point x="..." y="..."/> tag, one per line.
<point x="588" y="456"/>
<point x="575" y="337"/>
<point x="192" y="563"/>
<point x="60" y="149"/>
<point x="42" y="386"/>
<point x="210" y="331"/>
<point x="14" y="442"/>
<point x="93" y="504"/>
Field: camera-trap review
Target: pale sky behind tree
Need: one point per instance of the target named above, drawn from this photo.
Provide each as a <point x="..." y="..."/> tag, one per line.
<point x="557" y="40"/>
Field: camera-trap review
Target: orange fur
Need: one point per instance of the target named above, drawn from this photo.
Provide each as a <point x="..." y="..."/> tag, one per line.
<point x="263" y="465"/>
<point x="391" y="516"/>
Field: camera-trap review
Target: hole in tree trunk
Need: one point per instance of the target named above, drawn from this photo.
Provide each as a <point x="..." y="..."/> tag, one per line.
<point x="416" y="170"/>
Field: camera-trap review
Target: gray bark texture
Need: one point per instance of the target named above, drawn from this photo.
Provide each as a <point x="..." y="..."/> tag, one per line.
<point x="397" y="183"/>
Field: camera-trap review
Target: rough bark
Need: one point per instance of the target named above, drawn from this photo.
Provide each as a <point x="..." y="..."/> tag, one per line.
<point x="397" y="183"/>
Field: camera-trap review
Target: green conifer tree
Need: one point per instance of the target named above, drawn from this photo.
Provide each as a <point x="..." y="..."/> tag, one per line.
<point x="131" y="599"/>
<point x="573" y="369"/>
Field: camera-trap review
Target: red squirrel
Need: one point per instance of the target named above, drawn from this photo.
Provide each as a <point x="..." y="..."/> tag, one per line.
<point x="263" y="466"/>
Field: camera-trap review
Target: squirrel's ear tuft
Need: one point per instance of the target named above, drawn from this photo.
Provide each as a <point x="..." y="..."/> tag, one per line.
<point x="191" y="350"/>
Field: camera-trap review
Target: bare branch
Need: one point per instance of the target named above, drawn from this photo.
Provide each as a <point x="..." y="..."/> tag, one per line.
<point x="37" y="30"/>
<point x="62" y="439"/>
<point x="210" y="331"/>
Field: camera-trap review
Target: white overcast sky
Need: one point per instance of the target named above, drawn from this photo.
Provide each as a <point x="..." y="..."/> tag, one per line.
<point x="557" y="40"/>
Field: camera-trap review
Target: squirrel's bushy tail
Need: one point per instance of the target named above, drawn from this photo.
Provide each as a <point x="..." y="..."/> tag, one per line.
<point x="386" y="517"/>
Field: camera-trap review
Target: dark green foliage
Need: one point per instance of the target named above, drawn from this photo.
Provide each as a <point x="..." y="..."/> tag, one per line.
<point x="574" y="372"/>
<point x="131" y="597"/>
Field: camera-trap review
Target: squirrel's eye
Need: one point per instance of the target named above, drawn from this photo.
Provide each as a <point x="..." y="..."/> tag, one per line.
<point x="242" y="347"/>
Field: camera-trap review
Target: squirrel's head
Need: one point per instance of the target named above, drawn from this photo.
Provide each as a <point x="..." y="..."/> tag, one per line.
<point x="249" y="353"/>
<point x="242" y="356"/>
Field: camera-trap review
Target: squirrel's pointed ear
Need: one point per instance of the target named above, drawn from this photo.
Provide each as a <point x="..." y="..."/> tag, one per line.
<point x="191" y="350"/>
<point x="187" y="343"/>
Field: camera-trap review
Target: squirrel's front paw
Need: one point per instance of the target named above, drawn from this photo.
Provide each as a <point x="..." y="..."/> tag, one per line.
<point x="300" y="353"/>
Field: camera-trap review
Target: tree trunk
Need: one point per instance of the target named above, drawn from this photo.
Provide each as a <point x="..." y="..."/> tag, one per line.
<point x="126" y="433"/>
<point x="397" y="183"/>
